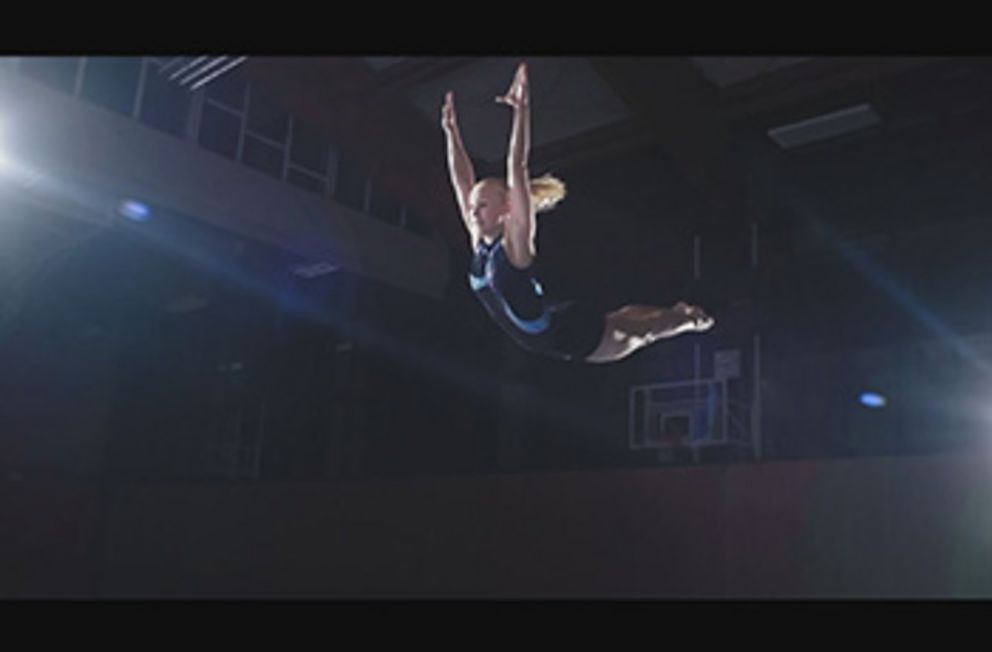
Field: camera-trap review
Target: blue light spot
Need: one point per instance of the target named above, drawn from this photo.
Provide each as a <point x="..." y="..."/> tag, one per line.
<point x="134" y="210"/>
<point x="872" y="400"/>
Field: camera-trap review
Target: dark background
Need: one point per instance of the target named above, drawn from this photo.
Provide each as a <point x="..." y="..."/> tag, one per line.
<point x="872" y="273"/>
<point x="871" y="245"/>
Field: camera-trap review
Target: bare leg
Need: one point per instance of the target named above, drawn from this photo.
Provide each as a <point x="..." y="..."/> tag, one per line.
<point x="633" y="327"/>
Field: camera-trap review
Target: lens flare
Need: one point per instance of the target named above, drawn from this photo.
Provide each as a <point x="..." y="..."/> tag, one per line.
<point x="872" y="400"/>
<point x="134" y="210"/>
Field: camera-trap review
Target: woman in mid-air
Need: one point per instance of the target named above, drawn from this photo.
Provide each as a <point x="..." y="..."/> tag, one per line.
<point x="500" y="216"/>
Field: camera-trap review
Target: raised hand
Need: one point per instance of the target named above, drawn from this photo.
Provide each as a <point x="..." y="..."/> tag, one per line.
<point x="519" y="93"/>
<point x="448" y="120"/>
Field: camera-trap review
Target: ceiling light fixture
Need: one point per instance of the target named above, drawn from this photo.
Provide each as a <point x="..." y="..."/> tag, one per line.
<point x="826" y="126"/>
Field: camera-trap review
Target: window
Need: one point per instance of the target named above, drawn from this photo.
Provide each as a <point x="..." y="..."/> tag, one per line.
<point x="383" y="206"/>
<point x="164" y="104"/>
<point x="55" y="72"/>
<point x="219" y="130"/>
<point x="351" y="184"/>
<point x="309" y="148"/>
<point x="332" y="171"/>
<point x="267" y="119"/>
<point x="112" y="82"/>
<point x="229" y="89"/>
<point x="263" y="156"/>
<point x="415" y="223"/>
<point x="306" y="181"/>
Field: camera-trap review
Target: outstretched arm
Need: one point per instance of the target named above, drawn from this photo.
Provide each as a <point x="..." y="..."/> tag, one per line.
<point x="459" y="164"/>
<point x="521" y="227"/>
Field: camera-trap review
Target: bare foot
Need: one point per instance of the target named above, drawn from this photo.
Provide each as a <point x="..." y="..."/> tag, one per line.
<point x="696" y="318"/>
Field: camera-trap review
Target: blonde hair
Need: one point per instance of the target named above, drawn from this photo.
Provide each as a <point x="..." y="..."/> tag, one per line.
<point x="546" y="191"/>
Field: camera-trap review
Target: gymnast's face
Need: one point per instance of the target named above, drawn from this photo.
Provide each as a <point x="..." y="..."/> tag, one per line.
<point x="488" y="206"/>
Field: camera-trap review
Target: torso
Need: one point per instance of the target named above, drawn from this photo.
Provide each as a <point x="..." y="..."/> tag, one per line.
<point x="512" y="296"/>
<point x="517" y="256"/>
<point x="515" y="300"/>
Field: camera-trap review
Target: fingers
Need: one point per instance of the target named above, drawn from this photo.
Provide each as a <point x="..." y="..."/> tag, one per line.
<point x="449" y="102"/>
<point x="448" y="110"/>
<point x="516" y="96"/>
<point x="518" y="87"/>
<point x="521" y="78"/>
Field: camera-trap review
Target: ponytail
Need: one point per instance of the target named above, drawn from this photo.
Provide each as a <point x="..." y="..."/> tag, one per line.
<point x="545" y="192"/>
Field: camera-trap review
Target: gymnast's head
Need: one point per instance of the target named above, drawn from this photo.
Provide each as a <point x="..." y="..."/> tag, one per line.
<point x="489" y="205"/>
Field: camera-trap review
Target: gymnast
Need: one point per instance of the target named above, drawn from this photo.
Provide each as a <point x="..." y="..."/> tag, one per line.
<point x="500" y="216"/>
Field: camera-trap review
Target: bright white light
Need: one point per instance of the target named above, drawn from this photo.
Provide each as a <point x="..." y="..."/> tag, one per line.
<point x="134" y="210"/>
<point x="872" y="400"/>
<point x="16" y="172"/>
<point x="4" y="161"/>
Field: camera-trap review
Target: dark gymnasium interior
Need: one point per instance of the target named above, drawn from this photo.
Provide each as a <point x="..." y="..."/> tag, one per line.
<point x="240" y="358"/>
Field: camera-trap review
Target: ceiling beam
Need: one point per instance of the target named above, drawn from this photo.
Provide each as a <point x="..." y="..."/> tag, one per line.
<point x="407" y="74"/>
<point x="673" y="106"/>
<point x="590" y="146"/>
<point x="811" y="79"/>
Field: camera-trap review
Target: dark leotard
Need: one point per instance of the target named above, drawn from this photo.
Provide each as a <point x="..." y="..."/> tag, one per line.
<point x="515" y="300"/>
